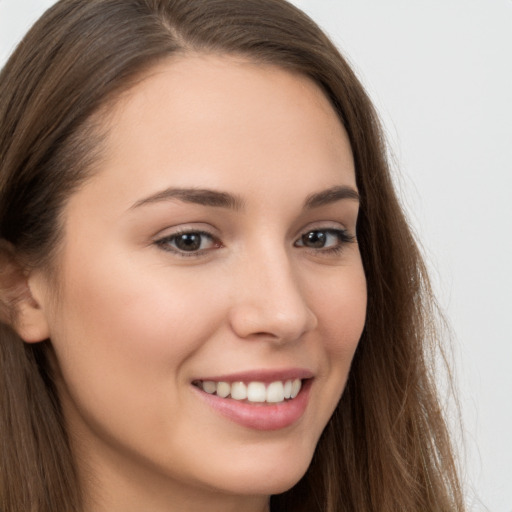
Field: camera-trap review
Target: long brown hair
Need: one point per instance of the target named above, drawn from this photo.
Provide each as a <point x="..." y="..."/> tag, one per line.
<point x="386" y="448"/>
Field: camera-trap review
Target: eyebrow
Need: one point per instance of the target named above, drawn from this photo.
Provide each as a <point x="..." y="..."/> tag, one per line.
<point x="208" y="197"/>
<point x="331" y="195"/>
<point x="202" y="196"/>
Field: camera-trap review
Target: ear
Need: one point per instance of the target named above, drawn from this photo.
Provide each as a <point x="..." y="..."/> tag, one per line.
<point x="31" y="322"/>
<point x="19" y="306"/>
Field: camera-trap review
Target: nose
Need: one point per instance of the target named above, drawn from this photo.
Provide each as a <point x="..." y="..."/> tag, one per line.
<point x="269" y="302"/>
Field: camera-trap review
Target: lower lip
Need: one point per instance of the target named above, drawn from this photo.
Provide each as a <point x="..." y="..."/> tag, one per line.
<point x="261" y="416"/>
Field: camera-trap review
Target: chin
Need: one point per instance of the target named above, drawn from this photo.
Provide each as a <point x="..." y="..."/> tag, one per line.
<point x="274" y="475"/>
<point x="266" y="484"/>
<point x="277" y="482"/>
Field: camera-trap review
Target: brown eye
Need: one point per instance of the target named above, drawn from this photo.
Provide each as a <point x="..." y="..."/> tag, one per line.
<point x="324" y="239"/>
<point x="189" y="242"/>
<point x="314" y="239"/>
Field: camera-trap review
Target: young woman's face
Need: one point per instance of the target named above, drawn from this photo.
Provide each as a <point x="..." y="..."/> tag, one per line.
<point x="208" y="267"/>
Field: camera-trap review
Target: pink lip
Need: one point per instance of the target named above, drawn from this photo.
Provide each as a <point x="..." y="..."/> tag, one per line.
<point x="259" y="416"/>
<point x="265" y="376"/>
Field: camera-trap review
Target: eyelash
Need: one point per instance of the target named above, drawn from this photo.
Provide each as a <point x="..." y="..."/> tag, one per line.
<point x="342" y="235"/>
<point x="165" y="243"/>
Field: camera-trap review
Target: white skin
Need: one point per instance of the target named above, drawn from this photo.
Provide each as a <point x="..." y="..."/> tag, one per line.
<point x="137" y="320"/>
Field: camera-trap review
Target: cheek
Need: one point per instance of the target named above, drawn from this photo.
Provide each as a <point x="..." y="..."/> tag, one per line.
<point x="341" y="311"/>
<point x="342" y="314"/>
<point x="133" y="308"/>
<point x="124" y="333"/>
<point x="340" y="307"/>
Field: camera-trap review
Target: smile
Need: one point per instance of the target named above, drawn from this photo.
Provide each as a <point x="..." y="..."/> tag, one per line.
<point x="253" y="392"/>
<point x="258" y="399"/>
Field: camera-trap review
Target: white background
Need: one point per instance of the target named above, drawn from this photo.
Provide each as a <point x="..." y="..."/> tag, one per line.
<point x="440" y="73"/>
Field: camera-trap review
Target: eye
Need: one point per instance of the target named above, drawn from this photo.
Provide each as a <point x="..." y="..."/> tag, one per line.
<point x="188" y="243"/>
<point x="324" y="239"/>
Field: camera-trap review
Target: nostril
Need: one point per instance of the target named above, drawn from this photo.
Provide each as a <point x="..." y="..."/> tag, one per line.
<point x="264" y="322"/>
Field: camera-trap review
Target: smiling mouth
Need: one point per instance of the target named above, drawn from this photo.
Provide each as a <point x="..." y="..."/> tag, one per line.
<point x="253" y="392"/>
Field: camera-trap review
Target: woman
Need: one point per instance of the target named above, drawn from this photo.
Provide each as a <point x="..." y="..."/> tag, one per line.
<point x="211" y="299"/>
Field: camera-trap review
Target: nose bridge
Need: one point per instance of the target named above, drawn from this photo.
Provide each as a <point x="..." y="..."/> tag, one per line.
<point x="269" y="300"/>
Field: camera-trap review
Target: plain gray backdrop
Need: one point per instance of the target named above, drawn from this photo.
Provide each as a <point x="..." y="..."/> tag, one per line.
<point x="440" y="73"/>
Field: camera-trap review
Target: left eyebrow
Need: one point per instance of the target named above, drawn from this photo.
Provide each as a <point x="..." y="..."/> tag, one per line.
<point x="331" y="195"/>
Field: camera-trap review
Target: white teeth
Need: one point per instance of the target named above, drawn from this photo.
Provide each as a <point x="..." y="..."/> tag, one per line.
<point x="223" y="389"/>
<point x="288" y="389"/>
<point x="209" y="386"/>
<point x="296" y="385"/>
<point x="275" y="392"/>
<point x="257" y="392"/>
<point x="238" y="391"/>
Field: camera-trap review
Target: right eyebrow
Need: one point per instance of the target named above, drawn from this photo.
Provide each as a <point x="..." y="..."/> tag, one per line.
<point x="331" y="195"/>
<point x="202" y="196"/>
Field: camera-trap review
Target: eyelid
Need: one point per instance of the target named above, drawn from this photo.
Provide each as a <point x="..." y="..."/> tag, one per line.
<point x="165" y="238"/>
<point x="162" y="240"/>
<point x="326" y="225"/>
<point x="343" y="231"/>
<point x="343" y="234"/>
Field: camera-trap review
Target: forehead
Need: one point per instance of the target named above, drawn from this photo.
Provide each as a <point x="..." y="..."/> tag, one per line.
<point x="221" y="121"/>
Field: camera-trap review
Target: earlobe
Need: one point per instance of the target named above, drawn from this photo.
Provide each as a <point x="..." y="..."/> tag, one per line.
<point x="18" y="306"/>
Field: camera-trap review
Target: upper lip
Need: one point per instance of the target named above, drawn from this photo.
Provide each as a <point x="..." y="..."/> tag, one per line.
<point x="261" y="375"/>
